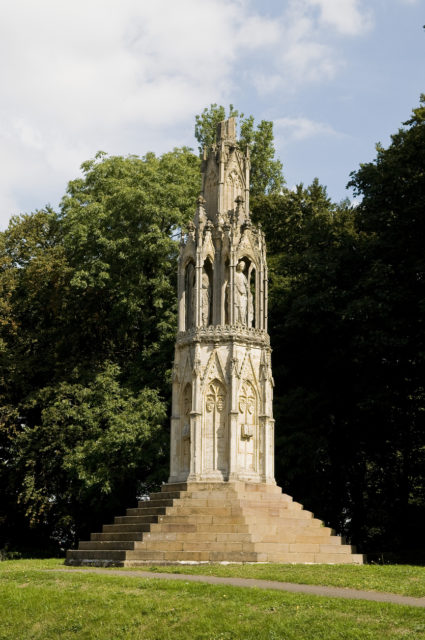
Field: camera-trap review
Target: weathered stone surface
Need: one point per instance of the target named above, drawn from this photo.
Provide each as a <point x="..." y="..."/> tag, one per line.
<point x="240" y="531"/>
<point x="221" y="503"/>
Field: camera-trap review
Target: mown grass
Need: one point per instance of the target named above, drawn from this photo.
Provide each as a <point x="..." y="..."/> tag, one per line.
<point x="404" y="580"/>
<point x="37" y="604"/>
<point x="401" y="579"/>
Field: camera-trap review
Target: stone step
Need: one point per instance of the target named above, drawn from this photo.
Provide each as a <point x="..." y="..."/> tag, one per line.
<point x="174" y="545"/>
<point x="193" y="518"/>
<point x="191" y="556"/>
<point x="121" y="528"/>
<point x="181" y="509"/>
<point x="136" y="519"/>
<point x="218" y="487"/>
<point x="100" y="545"/>
<point x="262" y="488"/>
<point x="89" y="554"/>
<point x="148" y="511"/>
<point x="165" y="495"/>
<point x="215" y="522"/>
<point x="199" y="528"/>
<point x="117" y="535"/>
<point x="196" y="536"/>
<point x="160" y="502"/>
<point x="212" y="500"/>
<point x="209" y="501"/>
<point x="275" y="512"/>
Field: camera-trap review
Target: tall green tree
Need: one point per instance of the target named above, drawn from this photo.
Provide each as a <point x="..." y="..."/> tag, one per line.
<point x="87" y="327"/>
<point x="266" y="170"/>
<point x="391" y="311"/>
<point x="347" y="302"/>
<point x="311" y="261"/>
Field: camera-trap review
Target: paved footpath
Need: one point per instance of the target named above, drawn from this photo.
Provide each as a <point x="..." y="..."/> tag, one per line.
<point x="316" y="590"/>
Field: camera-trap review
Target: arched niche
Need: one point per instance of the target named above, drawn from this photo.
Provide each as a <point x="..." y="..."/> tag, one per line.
<point x="252" y="279"/>
<point x="245" y="292"/>
<point x="189" y="295"/>
<point x="225" y="298"/>
<point x="216" y="446"/>
<point x="207" y="293"/>
<point x="185" y="411"/>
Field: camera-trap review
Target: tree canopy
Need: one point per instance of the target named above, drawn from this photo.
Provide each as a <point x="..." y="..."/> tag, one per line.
<point x="87" y="328"/>
<point x="266" y="170"/>
<point x="88" y="317"/>
<point x="347" y="301"/>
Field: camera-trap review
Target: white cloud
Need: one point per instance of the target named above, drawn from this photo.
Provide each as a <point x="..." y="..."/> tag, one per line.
<point x="98" y="74"/>
<point x="348" y="17"/>
<point x="94" y="74"/>
<point x="302" y="128"/>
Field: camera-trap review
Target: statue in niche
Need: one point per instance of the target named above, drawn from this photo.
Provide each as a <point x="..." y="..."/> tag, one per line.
<point x="206" y="299"/>
<point x="241" y="294"/>
<point x="190" y="296"/>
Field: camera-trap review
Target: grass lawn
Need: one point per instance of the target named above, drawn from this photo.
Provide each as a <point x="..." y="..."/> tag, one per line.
<point x="402" y="579"/>
<point x="40" y="605"/>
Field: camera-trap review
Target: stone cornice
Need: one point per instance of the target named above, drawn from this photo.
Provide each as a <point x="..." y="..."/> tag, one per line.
<point x="224" y="333"/>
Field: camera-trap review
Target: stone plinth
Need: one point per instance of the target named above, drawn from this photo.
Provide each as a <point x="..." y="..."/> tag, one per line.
<point x="211" y="522"/>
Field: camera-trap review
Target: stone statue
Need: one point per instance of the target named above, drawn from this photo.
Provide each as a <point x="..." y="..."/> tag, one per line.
<point x="241" y="294"/>
<point x="206" y="299"/>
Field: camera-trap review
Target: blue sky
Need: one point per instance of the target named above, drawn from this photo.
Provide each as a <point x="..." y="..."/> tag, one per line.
<point x="335" y="76"/>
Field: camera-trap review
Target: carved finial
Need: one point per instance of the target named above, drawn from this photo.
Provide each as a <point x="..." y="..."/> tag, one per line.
<point x="191" y="230"/>
<point x="201" y="214"/>
<point x="240" y="209"/>
<point x="226" y="131"/>
<point x="233" y="215"/>
<point x="197" y="367"/>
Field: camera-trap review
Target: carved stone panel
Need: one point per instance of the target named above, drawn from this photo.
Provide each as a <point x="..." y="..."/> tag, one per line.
<point x="215" y="439"/>
<point x="185" y="428"/>
<point x="248" y="413"/>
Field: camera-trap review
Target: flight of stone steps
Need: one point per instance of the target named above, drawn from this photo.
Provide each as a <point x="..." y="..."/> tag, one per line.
<point x="214" y="522"/>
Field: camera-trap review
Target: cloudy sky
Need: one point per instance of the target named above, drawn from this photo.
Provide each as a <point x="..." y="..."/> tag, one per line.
<point x="128" y="76"/>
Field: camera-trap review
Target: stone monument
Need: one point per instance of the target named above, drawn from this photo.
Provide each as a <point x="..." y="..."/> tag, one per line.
<point x="221" y="503"/>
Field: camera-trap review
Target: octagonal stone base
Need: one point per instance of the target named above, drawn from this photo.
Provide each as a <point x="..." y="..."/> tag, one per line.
<point x="210" y="522"/>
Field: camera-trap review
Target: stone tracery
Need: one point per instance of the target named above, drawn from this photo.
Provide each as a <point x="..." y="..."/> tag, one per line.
<point x="223" y="311"/>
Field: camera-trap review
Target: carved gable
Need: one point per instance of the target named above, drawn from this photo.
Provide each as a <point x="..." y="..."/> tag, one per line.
<point x="214" y="369"/>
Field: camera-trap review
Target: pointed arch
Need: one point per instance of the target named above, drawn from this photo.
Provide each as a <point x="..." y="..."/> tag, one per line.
<point x="216" y="439"/>
<point x="189" y="294"/>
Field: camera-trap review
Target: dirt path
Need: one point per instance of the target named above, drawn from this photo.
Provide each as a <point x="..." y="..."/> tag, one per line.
<point x="316" y="590"/>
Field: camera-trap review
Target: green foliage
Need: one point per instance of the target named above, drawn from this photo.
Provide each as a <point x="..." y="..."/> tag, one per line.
<point x="118" y="224"/>
<point x="87" y="325"/>
<point x="90" y="442"/>
<point x="310" y="254"/>
<point x="206" y="124"/>
<point x="266" y="171"/>
<point x="390" y="311"/>
<point x="347" y="302"/>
